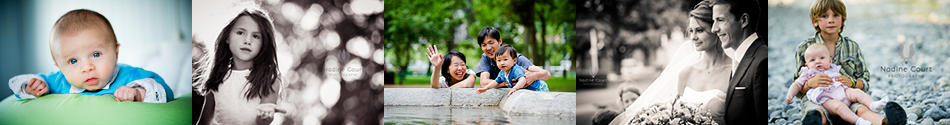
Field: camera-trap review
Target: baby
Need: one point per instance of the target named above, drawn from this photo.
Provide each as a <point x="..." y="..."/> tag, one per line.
<point x="512" y="74"/>
<point x="84" y="48"/>
<point x="835" y="96"/>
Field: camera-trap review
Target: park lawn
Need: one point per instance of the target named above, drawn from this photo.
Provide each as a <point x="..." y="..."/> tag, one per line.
<point x="414" y="80"/>
<point x="555" y="84"/>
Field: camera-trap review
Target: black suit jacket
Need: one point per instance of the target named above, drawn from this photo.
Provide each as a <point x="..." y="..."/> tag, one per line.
<point x="746" y="100"/>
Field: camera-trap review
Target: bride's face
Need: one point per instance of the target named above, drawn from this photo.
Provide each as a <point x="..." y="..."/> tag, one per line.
<point x="700" y="35"/>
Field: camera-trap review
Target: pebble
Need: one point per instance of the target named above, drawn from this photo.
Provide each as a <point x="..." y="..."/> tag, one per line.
<point x="943" y="81"/>
<point x="916" y="110"/>
<point x="793" y="111"/>
<point x="927" y="121"/>
<point x="912" y="117"/>
<point x="929" y="101"/>
<point x="936" y="112"/>
<point x="944" y="122"/>
<point x="781" y="122"/>
<point x="796" y="116"/>
<point x="776" y="115"/>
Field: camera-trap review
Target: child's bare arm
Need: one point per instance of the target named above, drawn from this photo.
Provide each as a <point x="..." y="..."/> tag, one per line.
<point x="268" y="105"/>
<point x="273" y="96"/>
<point x="520" y="84"/>
<point x="792" y="91"/>
<point x="491" y="84"/>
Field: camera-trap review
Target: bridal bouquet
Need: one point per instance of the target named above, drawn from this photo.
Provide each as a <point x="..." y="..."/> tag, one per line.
<point x="673" y="112"/>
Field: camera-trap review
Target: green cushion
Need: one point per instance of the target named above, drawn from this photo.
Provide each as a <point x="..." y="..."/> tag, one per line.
<point x="59" y="109"/>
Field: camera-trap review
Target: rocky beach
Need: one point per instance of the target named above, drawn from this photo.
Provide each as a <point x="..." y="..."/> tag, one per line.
<point x="904" y="44"/>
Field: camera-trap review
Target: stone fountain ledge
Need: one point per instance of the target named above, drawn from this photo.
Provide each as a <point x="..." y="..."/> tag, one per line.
<point x="522" y="102"/>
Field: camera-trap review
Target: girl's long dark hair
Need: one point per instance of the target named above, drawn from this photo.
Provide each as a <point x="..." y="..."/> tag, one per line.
<point x="264" y="71"/>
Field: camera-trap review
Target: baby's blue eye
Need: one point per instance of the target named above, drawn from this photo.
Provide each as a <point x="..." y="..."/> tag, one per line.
<point x="72" y="61"/>
<point x="96" y="54"/>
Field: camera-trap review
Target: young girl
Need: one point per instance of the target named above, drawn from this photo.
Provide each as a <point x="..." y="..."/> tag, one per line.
<point x="243" y="82"/>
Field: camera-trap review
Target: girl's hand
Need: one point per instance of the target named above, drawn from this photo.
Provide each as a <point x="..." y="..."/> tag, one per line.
<point x="434" y="56"/>
<point x="481" y="90"/>
<point x="266" y="111"/>
<point x="36" y="87"/>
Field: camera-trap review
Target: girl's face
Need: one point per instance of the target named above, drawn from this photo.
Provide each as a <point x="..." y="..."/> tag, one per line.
<point x="489" y="46"/>
<point x="505" y="61"/>
<point x="818" y="59"/>
<point x="628" y="97"/>
<point x="457" y="68"/>
<point x="702" y="38"/>
<point x="829" y="22"/>
<point x="244" y="39"/>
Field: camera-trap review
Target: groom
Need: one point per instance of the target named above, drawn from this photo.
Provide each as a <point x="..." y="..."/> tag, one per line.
<point x="735" y="22"/>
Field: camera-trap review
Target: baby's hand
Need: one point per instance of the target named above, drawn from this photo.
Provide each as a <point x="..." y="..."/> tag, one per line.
<point x="36" y="87"/>
<point x="788" y="100"/>
<point x="481" y="90"/>
<point x="126" y="93"/>
<point x="511" y="91"/>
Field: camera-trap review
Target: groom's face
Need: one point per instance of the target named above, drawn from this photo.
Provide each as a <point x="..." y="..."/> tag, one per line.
<point x="726" y="26"/>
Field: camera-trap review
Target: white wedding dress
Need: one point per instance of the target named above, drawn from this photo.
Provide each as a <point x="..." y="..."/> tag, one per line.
<point x="664" y="88"/>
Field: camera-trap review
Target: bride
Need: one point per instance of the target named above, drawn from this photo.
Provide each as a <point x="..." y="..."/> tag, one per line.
<point x="701" y="77"/>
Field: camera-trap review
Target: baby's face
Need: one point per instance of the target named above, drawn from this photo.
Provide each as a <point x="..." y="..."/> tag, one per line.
<point x="505" y="61"/>
<point x="818" y="59"/>
<point x="244" y="39"/>
<point x="87" y="58"/>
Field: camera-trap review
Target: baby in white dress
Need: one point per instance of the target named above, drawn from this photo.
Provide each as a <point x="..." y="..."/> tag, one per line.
<point x="835" y="96"/>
